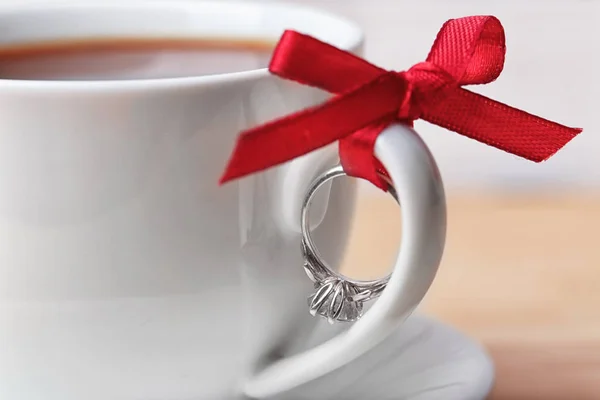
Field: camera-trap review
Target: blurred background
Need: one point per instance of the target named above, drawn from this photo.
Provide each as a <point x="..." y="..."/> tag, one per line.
<point x="521" y="271"/>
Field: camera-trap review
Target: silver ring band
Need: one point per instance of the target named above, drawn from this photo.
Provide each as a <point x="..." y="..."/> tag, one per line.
<point x="337" y="297"/>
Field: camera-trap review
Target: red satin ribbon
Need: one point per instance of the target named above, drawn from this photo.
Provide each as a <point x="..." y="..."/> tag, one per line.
<point x="466" y="51"/>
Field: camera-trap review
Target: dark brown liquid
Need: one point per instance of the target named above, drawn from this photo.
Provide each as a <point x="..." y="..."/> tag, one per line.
<point x="117" y="59"/>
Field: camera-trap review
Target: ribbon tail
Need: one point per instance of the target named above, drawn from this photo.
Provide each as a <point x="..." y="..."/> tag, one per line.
<point x="498" y="125"/>
<point x="297" y="134"/>
<point x="357" y="154"/>
<point x="309" y="61"/>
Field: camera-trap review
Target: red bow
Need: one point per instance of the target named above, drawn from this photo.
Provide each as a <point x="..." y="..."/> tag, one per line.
<point x="466" y="51"/>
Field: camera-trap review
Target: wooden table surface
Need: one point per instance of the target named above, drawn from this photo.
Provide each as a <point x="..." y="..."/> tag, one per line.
<point x="520" y="274"/>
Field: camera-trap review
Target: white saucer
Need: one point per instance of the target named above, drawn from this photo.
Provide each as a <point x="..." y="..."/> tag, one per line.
<point x="424" y="360"/>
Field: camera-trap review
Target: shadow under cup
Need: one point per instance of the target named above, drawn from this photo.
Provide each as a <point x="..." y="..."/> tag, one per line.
<point x="125" y="271"/>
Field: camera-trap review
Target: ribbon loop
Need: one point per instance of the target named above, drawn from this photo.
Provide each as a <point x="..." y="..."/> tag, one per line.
<point x="471" y="50"/>
<point x="466" y="51"/>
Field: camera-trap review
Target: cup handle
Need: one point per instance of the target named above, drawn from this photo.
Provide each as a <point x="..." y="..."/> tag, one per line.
<point x="416" y="178"/>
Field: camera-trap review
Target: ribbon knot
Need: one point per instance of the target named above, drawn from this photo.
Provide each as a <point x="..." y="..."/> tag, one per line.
<point x="431" y="81"/>
<point x="409" y="109"/>
<point x="423" y="80"/>
<point x="466" y="51"/>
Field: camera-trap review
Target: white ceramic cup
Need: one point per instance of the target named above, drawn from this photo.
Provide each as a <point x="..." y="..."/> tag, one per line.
<point x="126" y="272"/>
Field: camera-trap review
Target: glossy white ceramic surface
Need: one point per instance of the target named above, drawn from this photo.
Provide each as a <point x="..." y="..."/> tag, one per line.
<point x="126" y="273"/>
<point x="423" y="360"/>
<point x="420" y="192"/>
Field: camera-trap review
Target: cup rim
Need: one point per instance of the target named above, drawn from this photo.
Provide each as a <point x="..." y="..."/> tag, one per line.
<point x="352" y="43"/>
